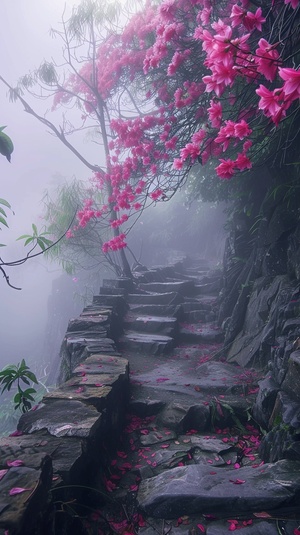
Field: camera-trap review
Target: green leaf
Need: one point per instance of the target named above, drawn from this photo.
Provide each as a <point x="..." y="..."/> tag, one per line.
<point x="2" y="245"/>
<point x="32" y="377"/>
<point x="2" y="220"/>
<point x="23" y="237"/>
<point x="23" y="365"/>
<point x="46" y="241"/>
<point x="3" y="212"/>
<point x="29" y="240"/>
<point x="34" y="228"/>
<point x="5" y="203"/>
<point x="18" y="397"/>
<point x="41" y="244"/>
<point x="28" y="396"/>
<point x="25" y="380"/>
<point x="6" y="145"/>
<point x="29" y="391"/>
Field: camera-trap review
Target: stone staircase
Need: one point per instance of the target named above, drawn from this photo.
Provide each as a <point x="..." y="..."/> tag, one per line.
<point x="188" y="459"/>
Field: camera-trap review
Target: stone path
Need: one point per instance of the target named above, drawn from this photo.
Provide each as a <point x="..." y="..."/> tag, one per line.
<point x="188" y="461"/>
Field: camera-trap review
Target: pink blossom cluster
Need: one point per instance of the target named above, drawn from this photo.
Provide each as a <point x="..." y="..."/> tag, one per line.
<point x="115" y="243"/>
<point x="207" y="78"/>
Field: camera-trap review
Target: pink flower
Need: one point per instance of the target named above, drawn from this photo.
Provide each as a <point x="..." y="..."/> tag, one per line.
<point x="215" y="114"/>
<point x="225" y="169"/>
<point x="242" y="162"/>
<point x="199" y="136"/>
<point x="266" y="59"/>
<point x="177" y="163"/>
<point x="294" y="3"/>
<point x="237" y="15"/>
<point x="296" y="531"/>
<point x="291" y="86"/>
<point x="190" y="150"/>
<point x="270" y="103"/>
<point x="254" y="20"/>
<point x="242" y="129"/>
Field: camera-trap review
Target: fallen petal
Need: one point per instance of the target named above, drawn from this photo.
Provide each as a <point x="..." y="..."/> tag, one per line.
<point x="17" y="462"/>
<point x="17" y="490"/>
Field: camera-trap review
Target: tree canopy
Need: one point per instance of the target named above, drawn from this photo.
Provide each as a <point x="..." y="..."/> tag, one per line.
<point x="167" y="85"/>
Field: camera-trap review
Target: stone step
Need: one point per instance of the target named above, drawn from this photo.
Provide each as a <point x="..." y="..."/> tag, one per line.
<point x="199" y="303"/>
<point x="117" y="302"/>
<point x="151" y="324"/>
<point x="198" y="315"/>
<point x="122" y="282"/>
<point x="154" y="344"/>
<point x="112" y="291"/>
<point x="168" y="298"/>
<point x="195" y="489"/>
<point x="208" y="288"/>
<point x="199" y="333"/>
<point x="182" y="287"/>
<point x="175" y="311"/>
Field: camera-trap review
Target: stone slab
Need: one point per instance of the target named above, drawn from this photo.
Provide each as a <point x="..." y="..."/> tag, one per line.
<point x="32" y="449"/>
<point x="154" y="344"/>
<point x="103" y="364"/>
<point x="20" y="513"/>
<point x="200" y="332"/>
<point x="182" y="287"/>
<point x="174" y="311"/>
<point x="151" y="324"/>
<point x="167" y="298"/>
<point x="62" y="418"/>
<point x="193" y="489"/>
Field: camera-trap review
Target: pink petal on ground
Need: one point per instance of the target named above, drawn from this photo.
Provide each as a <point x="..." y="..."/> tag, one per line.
<point x="79" y="390"/>
<point x="17" y="490"/>
<point x="17" y="462"/>
<point x="122" y="454"/>
<point x="162" y="379"/>
<point x="99" y="384"/>
<point x="16" y="434"/>
<point x="201" y="527"/>
<point x="164" y="446"/>
<point x="263" y="514"/>
<point x="237" y="481"/>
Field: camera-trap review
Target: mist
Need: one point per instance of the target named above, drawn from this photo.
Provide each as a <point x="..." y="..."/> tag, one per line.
<point x="36" y="159"/>
<point x="33" y="319"/>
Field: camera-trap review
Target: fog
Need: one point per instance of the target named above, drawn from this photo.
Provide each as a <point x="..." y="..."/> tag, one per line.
<point x="25" y="331"/>
<point x="38" y="156"/>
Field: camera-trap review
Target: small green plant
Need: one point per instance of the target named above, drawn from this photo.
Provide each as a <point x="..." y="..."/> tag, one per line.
<point x="15" y="374"/>
<point x="36" y="238"/>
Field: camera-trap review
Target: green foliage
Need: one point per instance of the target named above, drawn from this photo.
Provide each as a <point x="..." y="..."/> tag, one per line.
<point x="81" y="250"/>
<point x="14" y="375"/>
<point x="6" y="144"/>
<point x="36" y="238"/>
<point x="3" y="215"/>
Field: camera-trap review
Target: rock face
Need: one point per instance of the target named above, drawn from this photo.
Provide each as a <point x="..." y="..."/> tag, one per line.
<point x="260" y="313"/>
<point x="194" y="488"/>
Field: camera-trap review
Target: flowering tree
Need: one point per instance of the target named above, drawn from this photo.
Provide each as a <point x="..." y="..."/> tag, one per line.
<point x="176" y="83"/>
